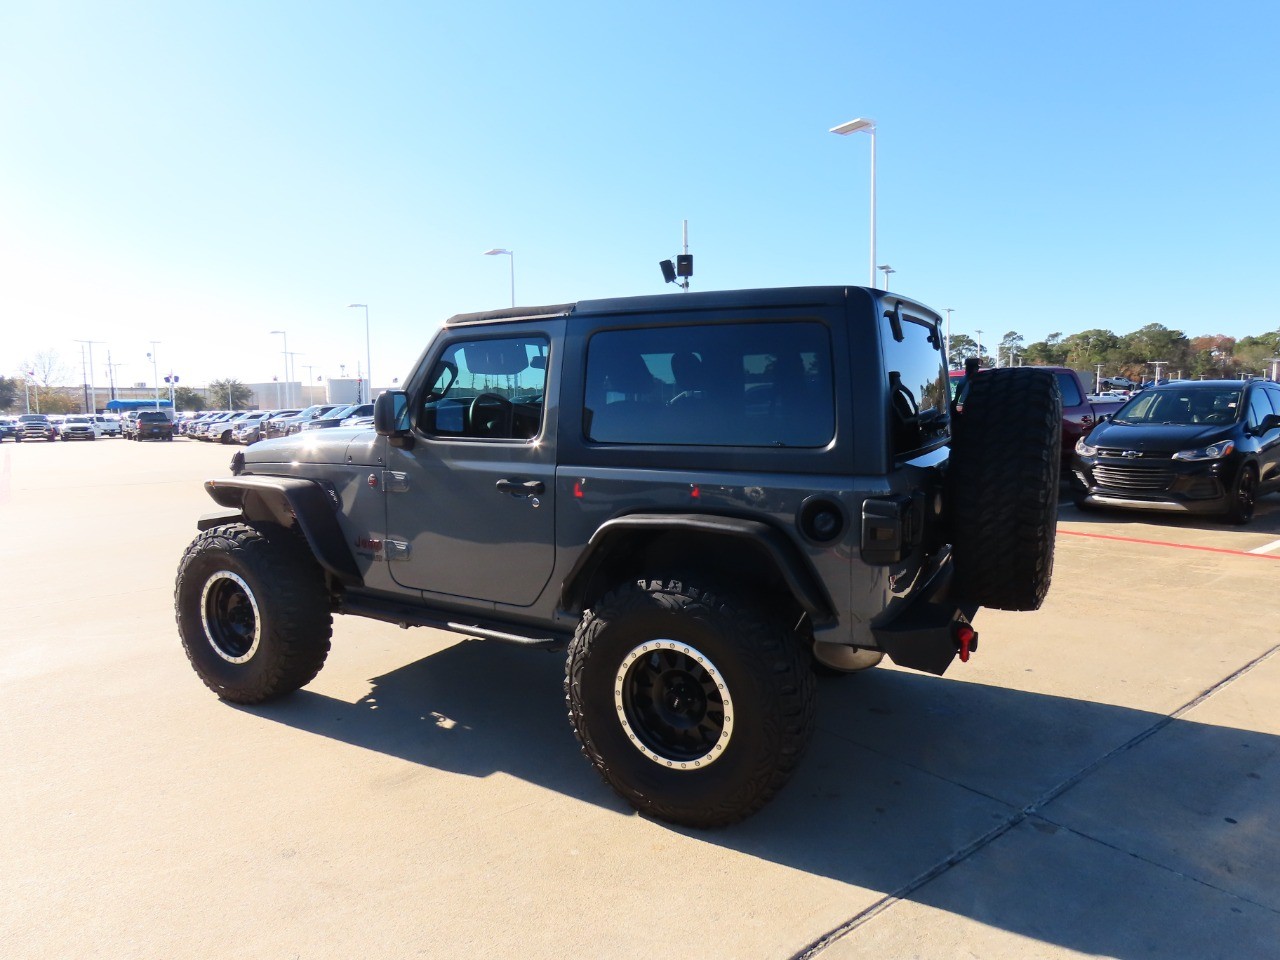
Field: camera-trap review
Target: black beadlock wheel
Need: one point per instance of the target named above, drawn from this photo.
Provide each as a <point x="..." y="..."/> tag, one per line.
<point x="695" y="709"/>
<point x="1002" y="486"/>
<point x="252" y="612"/>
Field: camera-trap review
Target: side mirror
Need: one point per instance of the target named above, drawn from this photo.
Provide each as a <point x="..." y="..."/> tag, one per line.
<point x="1270" y="422"/>
<point x="391" y="417"/>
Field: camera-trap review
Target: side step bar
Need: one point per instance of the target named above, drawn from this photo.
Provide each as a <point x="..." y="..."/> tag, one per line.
<point x="405" y="615"/>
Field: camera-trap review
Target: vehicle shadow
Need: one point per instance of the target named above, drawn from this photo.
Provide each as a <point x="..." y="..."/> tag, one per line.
<point x="906" y="771"/>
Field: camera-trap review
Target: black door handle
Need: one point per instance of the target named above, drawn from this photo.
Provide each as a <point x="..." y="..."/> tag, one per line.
<point x="521" y="488"/>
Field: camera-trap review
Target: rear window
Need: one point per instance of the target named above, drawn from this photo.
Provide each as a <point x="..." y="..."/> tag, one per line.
<point x="153" y="417"/>
<point x="731" y="384"/>
<point x="919" y="385"/>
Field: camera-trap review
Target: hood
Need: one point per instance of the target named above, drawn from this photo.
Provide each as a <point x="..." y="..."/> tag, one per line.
<point x="1158" y="437"/>
<point x="312" y="446"/>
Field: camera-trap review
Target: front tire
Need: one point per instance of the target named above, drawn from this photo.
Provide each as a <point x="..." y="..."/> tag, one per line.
<point x="1244" y="496"/>
<point x="252" y="612"/>
<point x="694" y="709"/>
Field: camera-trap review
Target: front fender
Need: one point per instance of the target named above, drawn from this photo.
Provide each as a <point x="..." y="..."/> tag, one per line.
<point x="292" y="502"/>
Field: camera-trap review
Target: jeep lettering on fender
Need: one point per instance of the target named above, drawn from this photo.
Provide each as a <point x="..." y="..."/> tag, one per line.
<point x="702" y="498"/>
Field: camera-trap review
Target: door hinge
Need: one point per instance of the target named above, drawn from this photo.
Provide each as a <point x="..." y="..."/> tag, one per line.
<point x="395" y="481"/>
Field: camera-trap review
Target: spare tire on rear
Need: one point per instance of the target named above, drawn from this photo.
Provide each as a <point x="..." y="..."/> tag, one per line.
<point x="1002" y="487"/>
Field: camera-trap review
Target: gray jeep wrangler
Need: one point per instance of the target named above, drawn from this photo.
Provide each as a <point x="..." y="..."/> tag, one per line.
<point x="703" y="497"/>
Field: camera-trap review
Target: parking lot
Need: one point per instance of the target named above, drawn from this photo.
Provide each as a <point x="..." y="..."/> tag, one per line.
<point x="1103" y="777"/>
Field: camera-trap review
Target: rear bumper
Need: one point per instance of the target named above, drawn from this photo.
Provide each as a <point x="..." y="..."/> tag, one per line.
<point x="924" y="635"/>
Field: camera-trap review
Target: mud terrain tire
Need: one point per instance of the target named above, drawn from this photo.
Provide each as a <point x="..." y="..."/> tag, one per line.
<point x="252" y="612"/>
<point x="1006" y="455"/>
<point x="693" y="707"/>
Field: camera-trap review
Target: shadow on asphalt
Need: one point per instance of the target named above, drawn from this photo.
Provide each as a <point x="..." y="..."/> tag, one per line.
<point x="905" y="771"/>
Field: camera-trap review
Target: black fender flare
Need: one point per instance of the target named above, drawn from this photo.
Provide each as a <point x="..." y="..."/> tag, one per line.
<point x="290" y="502"/>
<point x="786" y="557"/>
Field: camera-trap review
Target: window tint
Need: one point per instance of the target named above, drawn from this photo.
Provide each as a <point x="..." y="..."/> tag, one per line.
<point x="734" y="384"/>
<point x="1259" y="408"/>
<point x="487" y="389"/>
<point x="918" y="384"/>
<point x="1069" y="390"/>
<point x="1273" y="394"/>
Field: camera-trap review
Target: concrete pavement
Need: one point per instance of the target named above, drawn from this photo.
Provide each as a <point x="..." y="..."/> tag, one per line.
<point x="1102" y="778"/>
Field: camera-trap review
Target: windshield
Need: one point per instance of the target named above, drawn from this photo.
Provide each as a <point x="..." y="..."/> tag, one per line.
<point x="78" y="420"/>
<point x="1182" y="405"/>
<point x="33" y="418"/>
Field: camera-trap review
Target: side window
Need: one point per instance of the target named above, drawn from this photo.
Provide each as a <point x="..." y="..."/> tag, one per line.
<point x="1273" y="394"/>
<point x="486" y="389"/>
<point x="1070" y="392"/>
<point x="1259" y="408"/>
<point x="732" y="384"/>
<point x="918" y="383"/>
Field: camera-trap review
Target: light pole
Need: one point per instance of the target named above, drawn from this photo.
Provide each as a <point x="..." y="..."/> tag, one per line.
<point x="1157" y="364"/>
<point x="93" y="393"/>
<point x="887" y="270"/>
<point x="284" y="349"/>
<point x="155" y="374"/>
<point x="868" y="126"/>
<point x="112" y="375"/>
<point x="291" y="371"/>
<point x="305" y="399"/>
<point x="499" y="251"/>
<point x="979" y="333"/>
<point x="368" y="354"/>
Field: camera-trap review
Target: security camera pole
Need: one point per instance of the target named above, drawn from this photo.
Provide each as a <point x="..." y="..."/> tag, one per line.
<point x="682" y="268"/>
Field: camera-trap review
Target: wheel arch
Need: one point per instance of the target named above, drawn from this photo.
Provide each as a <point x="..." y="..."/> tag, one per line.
<point x="748" y="554"/>
<point x="292" y="503"/>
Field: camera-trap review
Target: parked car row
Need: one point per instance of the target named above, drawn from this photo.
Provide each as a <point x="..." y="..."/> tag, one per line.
<point x="55" y="426"/>
<point x="250" y="426"/>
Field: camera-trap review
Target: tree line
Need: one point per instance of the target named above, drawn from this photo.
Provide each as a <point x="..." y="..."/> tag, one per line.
<point x="1131" y="354"/>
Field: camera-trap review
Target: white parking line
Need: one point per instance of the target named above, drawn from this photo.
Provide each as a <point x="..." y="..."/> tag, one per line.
<point x="1268" y="547"/>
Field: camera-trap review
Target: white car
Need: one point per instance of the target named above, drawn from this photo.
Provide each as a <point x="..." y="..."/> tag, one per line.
<point x="80" y="426"/>
<point x="108" y="424"/>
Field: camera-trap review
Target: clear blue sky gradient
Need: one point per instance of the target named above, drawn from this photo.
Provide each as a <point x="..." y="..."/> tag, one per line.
<point x="201" y="174"/>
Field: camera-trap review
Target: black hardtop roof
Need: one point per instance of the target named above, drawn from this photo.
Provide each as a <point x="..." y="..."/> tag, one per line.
<point x="677" y="302"/>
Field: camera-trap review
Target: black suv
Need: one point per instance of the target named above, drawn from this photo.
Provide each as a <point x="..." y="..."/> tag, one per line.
<point x="700" y="496"/>
<point x="1200" y="446"/>
<point x="153" y="425"/>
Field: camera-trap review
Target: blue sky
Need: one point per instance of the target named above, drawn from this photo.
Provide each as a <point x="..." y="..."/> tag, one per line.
<point x="203" y="173"/>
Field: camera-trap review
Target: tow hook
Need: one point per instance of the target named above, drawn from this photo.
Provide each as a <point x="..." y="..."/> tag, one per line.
<point x="966" y="639"/>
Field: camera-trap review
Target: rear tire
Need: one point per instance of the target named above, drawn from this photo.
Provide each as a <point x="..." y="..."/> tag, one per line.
<point x="1006" y="457"/>
<point x="252" y="612"/>
<point x="695" y="710"/>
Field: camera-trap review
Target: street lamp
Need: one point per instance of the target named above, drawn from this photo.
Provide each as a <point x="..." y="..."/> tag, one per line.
<point x="868" y="126"/>
<point x="979" y="333"/>
<point x="291" y="371"/>
<point x="155" y="374"/>
<point x="887" y="270"/>
<point x="368" y="354"/>
<point x="284" y="339"/>
<point x="498" y="251"/>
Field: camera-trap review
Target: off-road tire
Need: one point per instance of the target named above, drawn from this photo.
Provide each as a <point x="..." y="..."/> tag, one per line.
<point x="764" y="670"/>
<point x="1002" y="480"/>
<point x="225" y="572"/>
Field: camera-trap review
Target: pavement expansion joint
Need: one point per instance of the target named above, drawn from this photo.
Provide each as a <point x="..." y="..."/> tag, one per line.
<point x="1032" y="809"/>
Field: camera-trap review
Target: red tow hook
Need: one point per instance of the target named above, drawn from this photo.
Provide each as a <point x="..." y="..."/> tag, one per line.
<point x="966" y="641"/>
